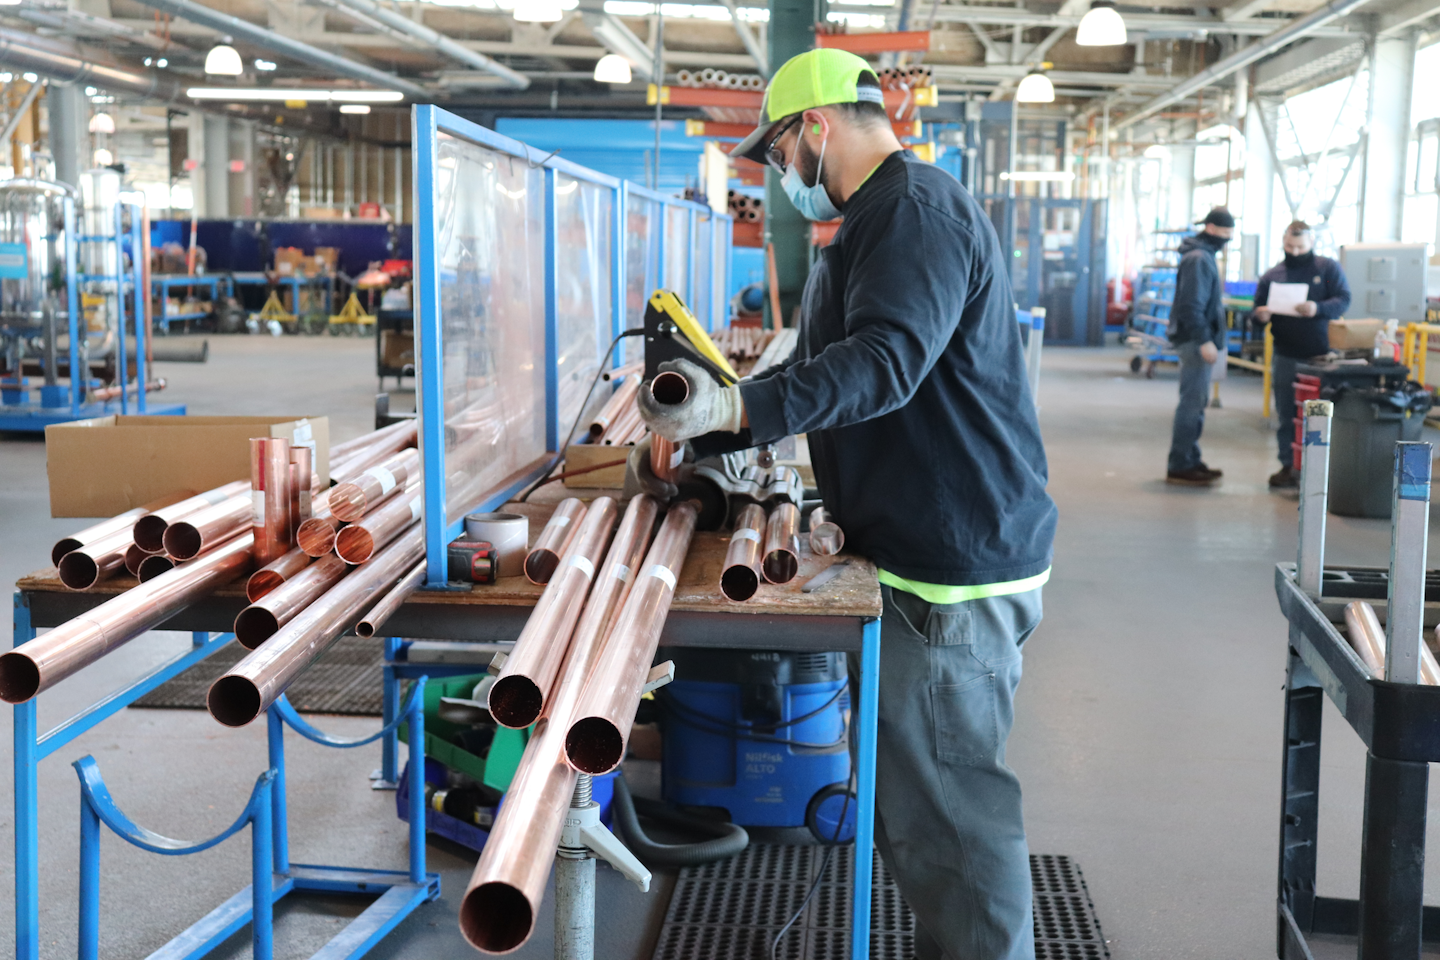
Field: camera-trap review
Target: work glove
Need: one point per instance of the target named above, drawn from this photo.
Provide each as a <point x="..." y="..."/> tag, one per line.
<point x="710" y="407"/>
<point x="639" y="478"/>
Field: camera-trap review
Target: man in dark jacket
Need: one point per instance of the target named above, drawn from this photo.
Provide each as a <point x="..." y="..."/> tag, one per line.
<point x="1197" y="331"/>
<point x="1300" y="336"/>
<point x="909" y="381"/>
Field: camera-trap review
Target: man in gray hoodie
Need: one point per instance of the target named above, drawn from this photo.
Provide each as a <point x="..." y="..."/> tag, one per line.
<point x="1197" y="331"/>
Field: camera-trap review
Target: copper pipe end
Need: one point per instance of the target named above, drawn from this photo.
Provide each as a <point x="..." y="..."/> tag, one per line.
<point x="515" y="701"/>
<point x="316" y="537"/>
<point x="255" y="625"/>
<point x="739" y="583"/>
<point x="670" y="388"/>
<point x="234" y="701"/>
<point x="594" y="746"/>
<point x="354" y="544"/>
<point x="150" y="532"/>
<point x="134" y="556"/>
<point x="154" y="565"/>
<point x="78" y="570"/>
<point x="19" y="677"/>
<point x="540" y="566"/>
<point x="62" y="547"/>
<point x="496" y="917"/>
<point x="781" y="566"/>
<point x="260" y="583"/>
<point x="182" y="540"/>
<point x="347" y="502"/>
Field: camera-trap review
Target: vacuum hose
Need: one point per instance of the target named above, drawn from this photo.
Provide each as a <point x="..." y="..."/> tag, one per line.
<point x="730" y="838"/>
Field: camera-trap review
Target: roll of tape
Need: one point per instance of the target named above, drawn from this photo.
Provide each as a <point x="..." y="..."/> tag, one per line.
<point x="509" y="533"/>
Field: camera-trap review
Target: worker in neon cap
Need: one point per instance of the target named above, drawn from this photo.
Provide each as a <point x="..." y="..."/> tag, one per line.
<point x="909" y="381"/>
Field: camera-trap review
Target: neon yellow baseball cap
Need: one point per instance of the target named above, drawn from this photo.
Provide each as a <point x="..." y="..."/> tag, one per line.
<point x="812" y="79"/>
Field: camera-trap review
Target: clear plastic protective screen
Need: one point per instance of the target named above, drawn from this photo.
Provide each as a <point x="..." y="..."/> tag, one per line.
<point x="642" y="266"/>
<point x="584" y="220"/>
<point x="720" y="228"/>
<point x="490" y="224"/>
<point x="677" y="252"/>
<point x="704" y="254"/>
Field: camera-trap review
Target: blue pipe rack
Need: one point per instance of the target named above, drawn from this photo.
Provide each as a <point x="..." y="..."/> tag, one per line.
<point x="219" y="285"/>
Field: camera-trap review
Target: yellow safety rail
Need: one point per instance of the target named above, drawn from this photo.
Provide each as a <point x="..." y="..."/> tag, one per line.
<point x="1416" y="348"/>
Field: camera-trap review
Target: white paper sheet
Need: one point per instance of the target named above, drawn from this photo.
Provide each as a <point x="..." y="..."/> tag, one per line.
<point x="1285" y="297"/>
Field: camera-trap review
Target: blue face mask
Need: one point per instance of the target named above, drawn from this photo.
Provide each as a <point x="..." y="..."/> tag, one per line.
<point x="812" y="202"/>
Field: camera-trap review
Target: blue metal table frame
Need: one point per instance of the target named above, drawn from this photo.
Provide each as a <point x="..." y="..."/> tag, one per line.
<point x="163" y="284"/>
<point x="296" y="283"/>
<point x="398" y="892"/>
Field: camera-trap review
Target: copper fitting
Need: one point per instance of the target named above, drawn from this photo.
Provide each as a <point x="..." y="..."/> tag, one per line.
<point x="543" y="558"/>
<point x="740" y="577"/>
<point x="782" y="544"/>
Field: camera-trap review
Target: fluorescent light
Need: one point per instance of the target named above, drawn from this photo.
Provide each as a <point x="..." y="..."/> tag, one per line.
<point x="1035" y="88"/>
<point x="224" y="60"/>
<point x="30" y="77"/>
<point x="1037" y="176"/>
<point x="1157" y="151"/>
<point x="612" y="68"/>
<point x="266" y="65"/>
<point x="162" y="63"/>
<point x="360" y="108"/>
<point x="309" y="94"/>
<point x="1101" y="26"/>
<point x="10" y="3"/>
<point x="103" y="157"/>
<point x="538" y="11"/>
<point x="102" y="123"/>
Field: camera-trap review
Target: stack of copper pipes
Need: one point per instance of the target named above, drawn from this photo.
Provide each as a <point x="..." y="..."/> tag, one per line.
<point x="189" y="546"/>
<point x="906" y="78"/>
<point x="618" y="423"/>
<point x="719" y="80"/>
<point x="745" y="207"/>
<point x="577" y="671"/>
<point x="742" y="346"/>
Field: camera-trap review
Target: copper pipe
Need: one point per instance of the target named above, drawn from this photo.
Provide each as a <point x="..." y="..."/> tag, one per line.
<point x="626" y="370"/>
<point x="134" y="556"/>
<point x="376" y="452"/>
<point x="83" y="568"/>
<point x="260" y="621"/>
<point x="152" y="565"/>
<point x="625" y="422"/>
<point x="351" y="500"/>
<point x="39" y="664"/>
<point x="497" y="913"/>
<point x="670" y="388"/>
<point x="255" y="682"/>
<point x="347" y="449"/>
<point x="276" y="572"/>
<point x="302" y="486"/>
<point x="358" y="542"/>
<point x="270" y="490"/>
<point x="121" y="521"/>
<point x="391" y="602"/>
<point x="826" y="537"/>
<point x="316" y="536"/>
<point x="1366" y="636"/>
<point x="782" y="544"/>
<point x="518" y="695"/>
<point x="150" y="529"/>
<point x="187" y="538"/>
<point x="110" y="393"/>
<point x="740" y="577"/>
<point x="560" y="529"/>
<point x="665" y="458"/>
<point x="621" y="400"/>
<point x="595" y="743"/>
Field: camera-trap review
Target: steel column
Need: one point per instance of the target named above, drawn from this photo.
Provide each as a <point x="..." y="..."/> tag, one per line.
<point x="27" y="799"/>
<point x="1392" y="858"/>
<point x="1409" y="527"/>
<point x="1314" y="495"/>
<point x="280" y="821"/>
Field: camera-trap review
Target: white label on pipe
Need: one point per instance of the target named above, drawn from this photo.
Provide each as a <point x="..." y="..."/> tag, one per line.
<point x="257" y="507"/>
<point x="386" y="478"/>
<point x="584" y="565"/>
<point x="745" y="533"/>
<point x="662" y="573"/>
<point x="622" y="572"/>
<point x="414" y="509"/>
<point x="678" y="457"/>
<point x="217" y="496"/>
<point x="559" y="522"/>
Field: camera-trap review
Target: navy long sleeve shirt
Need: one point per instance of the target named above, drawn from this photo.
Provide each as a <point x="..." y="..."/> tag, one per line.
<point x="1305" y="337"/>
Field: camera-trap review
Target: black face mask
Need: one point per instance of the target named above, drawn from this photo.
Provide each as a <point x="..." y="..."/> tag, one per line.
<point x="1303" y="260"/>
<point x="1217" y="242"/>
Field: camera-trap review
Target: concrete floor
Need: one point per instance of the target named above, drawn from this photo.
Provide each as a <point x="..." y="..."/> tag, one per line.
<point x="1147" y="733"/>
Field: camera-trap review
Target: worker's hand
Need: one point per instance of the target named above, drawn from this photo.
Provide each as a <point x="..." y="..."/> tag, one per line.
<point x="708" y="408"/>
<point x="1306" y="309"/>
<point x="639" y="478"/>
<point x="1261" y="315"/>
<point x="1208" y="353"/>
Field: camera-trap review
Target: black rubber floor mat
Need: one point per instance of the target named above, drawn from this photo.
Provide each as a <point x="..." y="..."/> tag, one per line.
<point x="345" y="680"/>
<point x="732" y="910"/>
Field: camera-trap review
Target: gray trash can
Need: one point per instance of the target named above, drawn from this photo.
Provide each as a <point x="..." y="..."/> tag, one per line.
<point x="1368" y="423"/>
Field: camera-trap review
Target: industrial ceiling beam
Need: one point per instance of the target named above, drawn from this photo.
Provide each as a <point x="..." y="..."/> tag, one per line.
<point x="1397" y="21"/>
<point x="418" y="34"/>
<point x="944" y="74"/>
<point x="270" y="40"/>
<point x="1240" y="59"/>
<point x="1245" y="10"/>
<point x="747" y="39"/>
<point x="619" y="39"/>
<point x="1137" y="22"/>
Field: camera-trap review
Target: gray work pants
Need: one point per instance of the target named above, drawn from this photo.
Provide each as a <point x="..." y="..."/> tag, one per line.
<point x="1190" y="412"/>
<point x="948" y="816"/>
<point x="1282" y="384"/>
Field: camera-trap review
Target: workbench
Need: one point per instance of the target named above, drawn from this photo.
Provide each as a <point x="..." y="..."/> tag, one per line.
<point x="450" y="632"/>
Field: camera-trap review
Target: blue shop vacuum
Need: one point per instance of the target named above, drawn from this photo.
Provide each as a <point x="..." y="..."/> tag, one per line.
<point x="760" y="735"/>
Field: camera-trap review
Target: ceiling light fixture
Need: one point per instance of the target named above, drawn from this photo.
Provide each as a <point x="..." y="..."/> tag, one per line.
<point x="1157" y="151"/>
<point x="612" y="68"/>
<point x="102" y="123"/>
<point x="1035" y="88"/>
<point x="307" y="94"/>
<point x="266" y="65"/>
<point x="224" y="60"/>
<point x="538" y="11"/>
<point x="103" y="157"/>
<point x="1101" y="26"/>
<point x="357" y="108"/>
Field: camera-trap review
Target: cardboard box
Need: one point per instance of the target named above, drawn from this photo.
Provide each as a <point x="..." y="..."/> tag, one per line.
<point x="108" y="465"/>
<point x="579" y="456"/>
<point x="327" y="259"/>
<point x="1354" y="334"/>
<point x="397" y="349"/>
<point x="288" y="260"/>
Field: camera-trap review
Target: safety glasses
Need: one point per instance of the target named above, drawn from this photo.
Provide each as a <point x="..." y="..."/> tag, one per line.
<point x="773" y="154"/>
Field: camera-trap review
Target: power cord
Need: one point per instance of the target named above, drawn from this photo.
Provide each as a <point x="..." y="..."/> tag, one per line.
<point x="819" y="876"/>
<point x="560" y="454"/>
